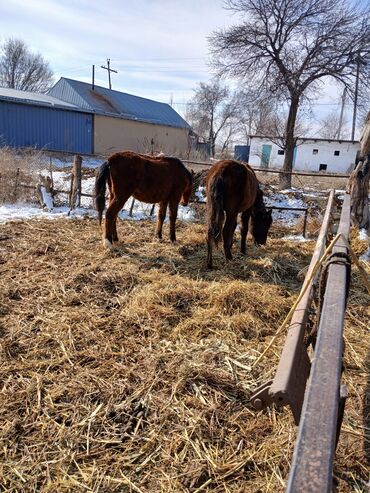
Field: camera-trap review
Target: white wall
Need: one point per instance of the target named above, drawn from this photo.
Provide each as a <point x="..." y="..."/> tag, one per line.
<point x="305" y="159"/>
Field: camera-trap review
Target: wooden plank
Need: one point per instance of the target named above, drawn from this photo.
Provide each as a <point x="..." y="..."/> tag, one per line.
<point x="312" y="465"/>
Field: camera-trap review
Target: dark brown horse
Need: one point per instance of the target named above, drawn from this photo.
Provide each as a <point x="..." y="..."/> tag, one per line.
<point x="232" y="187"/>
<point x="163" y="180"/>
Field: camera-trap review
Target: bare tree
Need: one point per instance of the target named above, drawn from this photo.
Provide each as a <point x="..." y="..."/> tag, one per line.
<point x="290" y="46"/>
<point x="22" y="69"/>
<point x="256" y="111"/>
<point x="332" y="127"/>
<point x="211" y="110"/>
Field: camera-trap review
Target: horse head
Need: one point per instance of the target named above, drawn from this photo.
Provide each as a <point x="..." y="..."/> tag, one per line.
<point x="186" y="194"/>
<point x="261" y="220"/>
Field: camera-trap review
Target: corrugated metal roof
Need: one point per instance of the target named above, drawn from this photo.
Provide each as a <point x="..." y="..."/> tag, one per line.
<point x="118" y="104"/>
<point x="28" y="97"/>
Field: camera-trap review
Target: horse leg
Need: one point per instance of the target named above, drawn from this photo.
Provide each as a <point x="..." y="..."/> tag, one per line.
<point x="161" y="217"/>
<point x="114" y="207"/>
<point x="209" y="255"/>
<point x="228" y="232"/>
<point x="174" y="204"/>
<point x="244" y="230"/>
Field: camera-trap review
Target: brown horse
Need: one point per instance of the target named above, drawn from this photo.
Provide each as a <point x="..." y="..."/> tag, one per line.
<point x="163" y="180"/>
<point x="232" y="187"/>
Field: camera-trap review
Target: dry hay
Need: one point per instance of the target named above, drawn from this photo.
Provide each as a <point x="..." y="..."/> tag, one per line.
<point x="131" y="371"/>
<point x="17" y="168"/>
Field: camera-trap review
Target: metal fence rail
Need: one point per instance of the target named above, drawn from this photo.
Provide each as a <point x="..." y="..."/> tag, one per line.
<point x="312" y="464"/>
<point x="289" y="383"/>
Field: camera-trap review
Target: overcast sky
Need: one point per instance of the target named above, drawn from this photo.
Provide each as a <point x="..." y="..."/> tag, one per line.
<point x="158" y="47"/>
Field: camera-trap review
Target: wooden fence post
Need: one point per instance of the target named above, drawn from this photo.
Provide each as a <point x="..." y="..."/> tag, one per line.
<point x="132" y="207"/>
<point x="45" y="192"/>
<point x="75" y="191"/>
<point x="51" y="171"/>
<point x="358" y="187"/>
<point x="16" y="184"/>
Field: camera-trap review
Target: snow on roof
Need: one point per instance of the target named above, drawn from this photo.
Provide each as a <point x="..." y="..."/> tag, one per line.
<point x="28" y="97"/>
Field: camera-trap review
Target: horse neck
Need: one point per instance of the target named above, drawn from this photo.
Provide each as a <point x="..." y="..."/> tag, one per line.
<point x="259" y="203"/>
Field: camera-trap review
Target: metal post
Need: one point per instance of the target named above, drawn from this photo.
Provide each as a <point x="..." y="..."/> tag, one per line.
<point x="312" y="465"/>
<point x="341" y="113"/>
<point x="305" y="223"/>
<point x="355" y="100"/>
<point x="289" y="383"/>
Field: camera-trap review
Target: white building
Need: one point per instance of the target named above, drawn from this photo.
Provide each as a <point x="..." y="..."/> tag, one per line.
<point x="310" y="154"/>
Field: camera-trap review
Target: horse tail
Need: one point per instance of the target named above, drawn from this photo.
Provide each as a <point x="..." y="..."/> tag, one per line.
<point x="100" y="187"/>
<point x="216" y="215"/>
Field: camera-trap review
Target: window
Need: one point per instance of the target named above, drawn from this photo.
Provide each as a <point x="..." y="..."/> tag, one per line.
<point x="315" y="151"/>
<point x="323" y="167"/>
<point x="280" y="152"/>
<point x="336" y="153"/>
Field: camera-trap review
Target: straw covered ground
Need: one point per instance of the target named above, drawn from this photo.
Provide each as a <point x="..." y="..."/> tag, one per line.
<point x="131" y="371"/>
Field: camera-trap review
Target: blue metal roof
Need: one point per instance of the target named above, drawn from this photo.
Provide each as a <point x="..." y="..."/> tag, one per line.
<point x="108" y="102"/>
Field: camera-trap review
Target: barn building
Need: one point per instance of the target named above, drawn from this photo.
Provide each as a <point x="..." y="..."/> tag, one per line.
<point x="310" y="154"/>
<point x="30" y="119"/>
<point x="123" y="121"/>
<point x="76" y="117"/>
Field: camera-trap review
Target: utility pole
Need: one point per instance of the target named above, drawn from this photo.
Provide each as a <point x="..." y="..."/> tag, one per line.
<point x="341" y="113"/>
<point x="109" y="71"/>
<point x="355" y="99"/>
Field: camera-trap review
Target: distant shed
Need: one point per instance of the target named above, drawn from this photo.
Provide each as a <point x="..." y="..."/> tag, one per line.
<point x="123" y="121"/>
<point x="41" y="121"/>
<point x="310" y="154"/>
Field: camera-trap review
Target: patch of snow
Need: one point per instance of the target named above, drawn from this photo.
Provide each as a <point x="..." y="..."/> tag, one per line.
<point x="201" y="194"/>
<point x="17" y="212"/>
<point x="87" y="161"/>
<point x="289" y="217"/>
<point x="46" y="198"/>
<point x="297" y="238"/>
<point x="363" y="235"/>
<point x="289" y="190"/>
<point x="311" y="194"/>
<point x="365" y="257"/>
<point x="186" y="213"/>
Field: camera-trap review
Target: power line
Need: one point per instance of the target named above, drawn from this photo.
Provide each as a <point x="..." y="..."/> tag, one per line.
<point x="125" y="60"/>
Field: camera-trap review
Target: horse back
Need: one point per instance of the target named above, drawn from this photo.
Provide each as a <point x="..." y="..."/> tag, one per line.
<point x="240" y="184"/>
<point x="147" y="178"/>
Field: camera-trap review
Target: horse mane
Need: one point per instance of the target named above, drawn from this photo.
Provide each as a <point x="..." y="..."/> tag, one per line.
<point x="259" y="204"/>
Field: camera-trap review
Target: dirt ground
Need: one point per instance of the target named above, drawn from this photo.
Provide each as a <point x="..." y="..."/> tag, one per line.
<point x="131" y="371"/>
